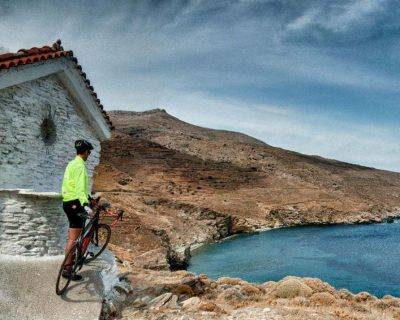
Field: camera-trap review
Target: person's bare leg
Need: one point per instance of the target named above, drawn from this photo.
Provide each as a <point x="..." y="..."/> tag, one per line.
<point x="73" y="234"/>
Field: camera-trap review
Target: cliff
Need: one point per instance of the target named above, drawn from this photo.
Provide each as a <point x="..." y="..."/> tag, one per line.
<point x="184" y="185"/>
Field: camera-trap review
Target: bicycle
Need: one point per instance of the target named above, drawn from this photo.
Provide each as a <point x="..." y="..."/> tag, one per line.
<point x="91" y="242"/>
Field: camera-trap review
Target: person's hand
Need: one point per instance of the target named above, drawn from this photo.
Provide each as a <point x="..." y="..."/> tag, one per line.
<point x="89" y="211"/>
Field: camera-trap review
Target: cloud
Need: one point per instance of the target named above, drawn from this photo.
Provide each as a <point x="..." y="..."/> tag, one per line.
<point x="279" y="70"/>
<point x="339" y="16"/>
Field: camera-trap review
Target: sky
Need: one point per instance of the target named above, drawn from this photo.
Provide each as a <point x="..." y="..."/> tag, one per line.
<point x="317" y="77"/>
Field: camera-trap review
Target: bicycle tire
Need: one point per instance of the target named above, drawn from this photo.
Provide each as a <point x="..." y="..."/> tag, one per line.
<point x="60" y="289"/>
<point x="107" y="229"/>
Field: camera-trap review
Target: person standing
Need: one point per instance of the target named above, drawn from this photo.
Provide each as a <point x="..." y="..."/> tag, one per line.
<point x="76" y="199"/>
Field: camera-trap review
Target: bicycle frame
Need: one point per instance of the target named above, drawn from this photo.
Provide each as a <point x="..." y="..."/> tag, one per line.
<point x="87" y="232"/>
<point x="84" y="238"/>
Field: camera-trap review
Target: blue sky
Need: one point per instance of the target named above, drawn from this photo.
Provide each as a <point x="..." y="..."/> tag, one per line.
<point x="317" y="77"/>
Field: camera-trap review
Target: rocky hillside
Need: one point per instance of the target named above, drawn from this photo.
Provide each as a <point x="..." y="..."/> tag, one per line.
<point x="183" y="185"/>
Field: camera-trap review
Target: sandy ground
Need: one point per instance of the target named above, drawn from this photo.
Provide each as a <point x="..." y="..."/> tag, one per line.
<point x="27" y="290"/>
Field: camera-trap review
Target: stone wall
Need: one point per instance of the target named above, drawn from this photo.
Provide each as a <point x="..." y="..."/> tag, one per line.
<point x="39" y="123"/>
<point x="31" y="223"/>
<point x="30" y="158"/>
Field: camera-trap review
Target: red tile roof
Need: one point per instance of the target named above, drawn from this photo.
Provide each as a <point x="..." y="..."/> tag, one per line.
<point x="32" y="55"/>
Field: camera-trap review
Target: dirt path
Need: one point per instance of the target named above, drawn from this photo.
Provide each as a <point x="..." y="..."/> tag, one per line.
<point x="27" y="290"/>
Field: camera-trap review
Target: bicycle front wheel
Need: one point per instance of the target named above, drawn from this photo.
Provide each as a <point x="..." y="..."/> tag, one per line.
<point x="98" y="242"/>
<point x="62" y="283"/>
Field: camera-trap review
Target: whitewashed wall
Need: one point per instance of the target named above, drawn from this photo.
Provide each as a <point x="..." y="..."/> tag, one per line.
<point x="25" y="160"/>
<point x="31" y="224"/>
<point x="34" y="223"/>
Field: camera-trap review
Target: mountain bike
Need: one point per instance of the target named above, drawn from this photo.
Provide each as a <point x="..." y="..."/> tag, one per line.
<point x="91" y="242"/>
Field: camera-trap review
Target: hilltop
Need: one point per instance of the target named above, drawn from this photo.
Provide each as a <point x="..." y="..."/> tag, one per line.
<point x="183" y="185"/>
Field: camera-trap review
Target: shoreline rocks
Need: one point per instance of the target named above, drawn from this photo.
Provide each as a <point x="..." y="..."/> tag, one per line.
<point x="227" y="298"/>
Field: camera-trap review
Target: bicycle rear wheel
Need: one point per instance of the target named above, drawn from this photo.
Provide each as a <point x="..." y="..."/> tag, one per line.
<point x="62" y="283"/>
<point x="98" y="242"/>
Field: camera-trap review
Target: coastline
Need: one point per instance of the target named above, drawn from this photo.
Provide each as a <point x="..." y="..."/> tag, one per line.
<point x="312" y="254"/>
<point x="388" y="217"/>
<point x="157" y="294"/>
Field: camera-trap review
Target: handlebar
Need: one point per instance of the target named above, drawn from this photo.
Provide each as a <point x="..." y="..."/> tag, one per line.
<point x="105" y="207"/>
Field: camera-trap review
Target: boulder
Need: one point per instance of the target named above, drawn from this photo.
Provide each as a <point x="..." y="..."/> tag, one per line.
<point x="183" y="289"/>
<point x="172" y="303"/>
<point x="230" y="281"/>
<point x="191" y="303"/>
<point x="159" y="301"/>
<point x="322" y="299"/>
<point x="291" y="287"/>
<point x="250" y="290"/>
<point x="345" y="294"/>
<point x="209" y="307"/>
<point x="233" y="293"/>
<point x="364" y="296"/>
<point x="318" y="285"/>
<point x="153" y="259"/>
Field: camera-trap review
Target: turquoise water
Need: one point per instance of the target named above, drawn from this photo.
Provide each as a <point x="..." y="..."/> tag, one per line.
<point x="355" y="257"/>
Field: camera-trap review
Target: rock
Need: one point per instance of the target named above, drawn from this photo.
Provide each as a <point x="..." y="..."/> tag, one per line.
<point x="159" y="301"/>
<point x="345" y="294"/>
<point x="233" y="293"/>
<point x="364" y="296"/>
<point x="138" y="303"/>
<point x="389" y="220"/>
<point x="318" y="285"/>
<point x="322" y="299"/>
<point x="250" y="290"/>
<point x="291" y="287"/>
<point x="195" y="283"/>
<point x="119" y="287"/>
<point x="127" y="265"/>
<point x="230" y="281"/>
<point x="146" y="299"/>
<point x="240" y="225"/>
<point x="386" y="302"/>
<point x="268" y="286"/>
<point x="123" y="275"/>
<point x="300" y="301"/>
<point x="125" y="181"/>
<point x="153" y="259"/>
<point x="183" y="289"/>
<point x="178" y="260"/>
<point x="112" y="309"/>
<point x="209" y="307"/>
<point x="172" y="303"/>
<point x="190" y="281"/>
<point x="191" y="303"/>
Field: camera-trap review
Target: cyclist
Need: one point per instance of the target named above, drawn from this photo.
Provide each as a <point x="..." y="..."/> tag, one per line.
<point x="76" y="199"/>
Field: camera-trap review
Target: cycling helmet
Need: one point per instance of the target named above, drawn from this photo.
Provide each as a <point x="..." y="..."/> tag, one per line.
<point x="83" y="145"/>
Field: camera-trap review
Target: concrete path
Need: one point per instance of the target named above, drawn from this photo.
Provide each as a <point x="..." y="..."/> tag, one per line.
<point x="27" y="289"/>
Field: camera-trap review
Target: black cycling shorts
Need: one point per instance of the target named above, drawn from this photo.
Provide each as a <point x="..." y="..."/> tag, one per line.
<point x="71" y="209"/>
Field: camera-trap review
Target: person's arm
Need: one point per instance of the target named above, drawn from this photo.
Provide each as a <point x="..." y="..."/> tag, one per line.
<point x="81" y="186"/>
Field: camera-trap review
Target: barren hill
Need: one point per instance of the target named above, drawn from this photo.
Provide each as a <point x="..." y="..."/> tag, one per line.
<point x="182" y="184"/>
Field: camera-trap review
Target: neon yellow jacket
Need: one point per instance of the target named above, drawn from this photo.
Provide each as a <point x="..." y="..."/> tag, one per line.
<point x="75" y="181"/>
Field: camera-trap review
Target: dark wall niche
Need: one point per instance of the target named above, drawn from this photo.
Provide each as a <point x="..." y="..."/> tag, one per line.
<point x="48" y="131"/>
